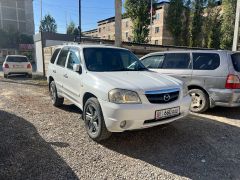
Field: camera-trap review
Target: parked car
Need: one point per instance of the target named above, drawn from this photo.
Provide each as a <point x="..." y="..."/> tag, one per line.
<point x="212" y="77"/>
<point x="114" y="90"/>
<point x="17" y="64"/>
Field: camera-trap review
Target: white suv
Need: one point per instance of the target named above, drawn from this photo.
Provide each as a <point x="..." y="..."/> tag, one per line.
<point x="114" y="90"/>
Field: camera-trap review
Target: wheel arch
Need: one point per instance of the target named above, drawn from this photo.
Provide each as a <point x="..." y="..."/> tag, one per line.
<point x="86" y="96"/>
<point x="190" y="87"/>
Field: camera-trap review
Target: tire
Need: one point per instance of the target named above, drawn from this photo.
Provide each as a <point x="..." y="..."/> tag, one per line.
<point x="200" y="101"/>
<point x="56" y="101"/>
<point x="29" y="75"/>
<point x="5" y="76"/>
<point x="94" y="121"/>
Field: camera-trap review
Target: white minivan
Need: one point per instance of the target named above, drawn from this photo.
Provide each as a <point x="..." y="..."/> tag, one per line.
<point x="114" y="90"/>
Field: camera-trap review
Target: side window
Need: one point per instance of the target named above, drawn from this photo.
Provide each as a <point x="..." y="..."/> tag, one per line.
<point x="153" y="62"/>
<point x="205" y="61"/>
<point x="54" y="56"/>
<point x="74" y="58"/>
<point x="176" y="61"/>
<point x="62" y="57"/>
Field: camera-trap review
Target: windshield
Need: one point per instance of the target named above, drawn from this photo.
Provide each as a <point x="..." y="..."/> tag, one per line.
<point x="236" y="61"/>
<point x="107" y="59"/>
<point x="17" y="59"/>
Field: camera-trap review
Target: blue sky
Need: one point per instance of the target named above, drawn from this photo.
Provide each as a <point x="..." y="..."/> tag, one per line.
<point x="66" y="10"/>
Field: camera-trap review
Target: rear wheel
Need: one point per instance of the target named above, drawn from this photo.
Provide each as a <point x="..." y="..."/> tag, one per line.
<point x="200" y="101"/>
<point x="94" y="120"/>
<point x="54" y="96"/>
<point x="29" y="75"/>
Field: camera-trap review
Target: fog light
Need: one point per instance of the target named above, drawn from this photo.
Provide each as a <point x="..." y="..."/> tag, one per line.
<point x="123" y="124"/>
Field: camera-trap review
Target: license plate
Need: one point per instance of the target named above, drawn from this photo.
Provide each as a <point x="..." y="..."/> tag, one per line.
<point x="18" y="66"/>
<point x="166" y="113"/>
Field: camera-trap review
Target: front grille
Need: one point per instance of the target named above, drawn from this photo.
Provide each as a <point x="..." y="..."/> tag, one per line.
<point x="162" y="97"/>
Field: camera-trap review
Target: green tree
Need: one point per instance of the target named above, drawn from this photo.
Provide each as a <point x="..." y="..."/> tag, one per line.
<point x="48" y="24"/>
<point x="174" y="20"/>
<point x="72" y="29"/>
<point x="227" y="28"/>
<point x="139" y="12"/>
<point x="186" y="23"/>
<point x="196" y="23"/>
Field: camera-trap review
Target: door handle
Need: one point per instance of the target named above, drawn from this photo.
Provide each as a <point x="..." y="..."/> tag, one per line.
<point x="183" y="76"/>
<point x="65" y="75"/>
<point x="54" y="71"/>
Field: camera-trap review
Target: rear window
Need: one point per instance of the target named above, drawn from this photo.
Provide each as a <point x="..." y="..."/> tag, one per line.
<point x="205" y="61"/>
<point x="236" y="61"/>
<point x="16" y="59"/>
<point x="54" y="56"/>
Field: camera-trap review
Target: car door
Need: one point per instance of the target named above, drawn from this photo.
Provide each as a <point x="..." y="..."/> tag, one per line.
<point x="73" y="80"/>
<point x="178" y="65"/>
<point x="59" y="69"/>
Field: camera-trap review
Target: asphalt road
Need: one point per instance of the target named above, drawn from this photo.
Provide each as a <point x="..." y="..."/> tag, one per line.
<point x="39" y="141"/>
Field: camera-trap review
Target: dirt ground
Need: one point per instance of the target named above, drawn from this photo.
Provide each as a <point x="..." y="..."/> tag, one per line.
<point x="39" y="141"/>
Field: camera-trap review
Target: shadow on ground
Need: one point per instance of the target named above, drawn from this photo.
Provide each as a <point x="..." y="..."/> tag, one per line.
<point x="232" y="113"/>
<point x="196" y="148"/>
<point x="25" y="155"/>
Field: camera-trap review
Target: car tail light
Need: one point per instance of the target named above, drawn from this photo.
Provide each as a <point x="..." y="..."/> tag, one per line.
<point x="29" y="66"/>
<point x="233" y="82"/>
<point x="6" y="65"/>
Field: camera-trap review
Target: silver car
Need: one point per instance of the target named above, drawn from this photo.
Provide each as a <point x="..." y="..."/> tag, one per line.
<point x="212" y="76"/>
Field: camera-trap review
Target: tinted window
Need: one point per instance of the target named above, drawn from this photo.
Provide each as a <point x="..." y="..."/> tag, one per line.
<point x="205" y="61"/>
<point x="62" y="57"/>
<point x="153" y="62"/>
<point x="236" y="61"/>
<point x="16" y="59"/>
<point x="110" y="59"/>
<point x="54" y="56"/>
<point x="176" y="61"/>
<point x="73" y="58"/>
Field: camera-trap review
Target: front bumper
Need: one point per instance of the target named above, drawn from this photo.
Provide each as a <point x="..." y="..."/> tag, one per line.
<point x="136" y="114"/>
<point x="225" y="97"/>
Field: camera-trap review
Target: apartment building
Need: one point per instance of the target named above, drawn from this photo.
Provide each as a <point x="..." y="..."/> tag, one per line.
<point x="158" y="33"/>
<point x="17" y="15"/>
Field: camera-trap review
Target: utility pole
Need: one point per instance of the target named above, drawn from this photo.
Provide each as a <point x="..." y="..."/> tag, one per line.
<point x="236" y="30"/>
<point x="80" y="21"/>
<point x="42" y="44"/>
<point x="118" y="23"/>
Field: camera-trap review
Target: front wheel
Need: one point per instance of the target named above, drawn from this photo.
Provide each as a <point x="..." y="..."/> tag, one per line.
<point x="200" y="101"/>
<point x="94" y="120"/>
<point x="54" y="96"/>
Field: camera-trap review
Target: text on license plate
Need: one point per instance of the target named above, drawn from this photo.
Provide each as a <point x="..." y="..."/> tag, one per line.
<point x="162" y="114"/>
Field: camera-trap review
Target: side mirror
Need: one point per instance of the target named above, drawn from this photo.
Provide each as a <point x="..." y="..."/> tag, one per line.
<point x="77" y="68"/>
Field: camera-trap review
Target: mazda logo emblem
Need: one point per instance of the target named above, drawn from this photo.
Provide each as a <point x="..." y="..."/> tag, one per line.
<point x="166" y="97"/>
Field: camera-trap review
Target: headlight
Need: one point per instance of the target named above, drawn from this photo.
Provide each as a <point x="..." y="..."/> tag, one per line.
<point x="122" y="96"/>
<point x="185" y="89"/>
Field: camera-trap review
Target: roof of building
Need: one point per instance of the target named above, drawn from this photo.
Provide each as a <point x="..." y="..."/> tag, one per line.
<point x="112" y="19"/>
<point x="89" y="31"/>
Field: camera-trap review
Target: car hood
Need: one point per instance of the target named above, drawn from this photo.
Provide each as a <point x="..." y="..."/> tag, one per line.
<point x="135" y="80"/>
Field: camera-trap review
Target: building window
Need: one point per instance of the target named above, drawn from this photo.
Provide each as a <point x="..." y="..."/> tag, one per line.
<point x="109" y="37"/>
<point x="157" y="29"/>
<point x="126" y="35"/>
<point x="156" y="42"/>
<point x="99" y="30"/>
<point x="158" y="16"/>
<point x="108" y="28"/>
<point x="126" y="24"/>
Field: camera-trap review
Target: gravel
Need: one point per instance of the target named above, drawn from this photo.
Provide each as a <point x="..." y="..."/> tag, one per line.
<point x="39" y="141"/>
